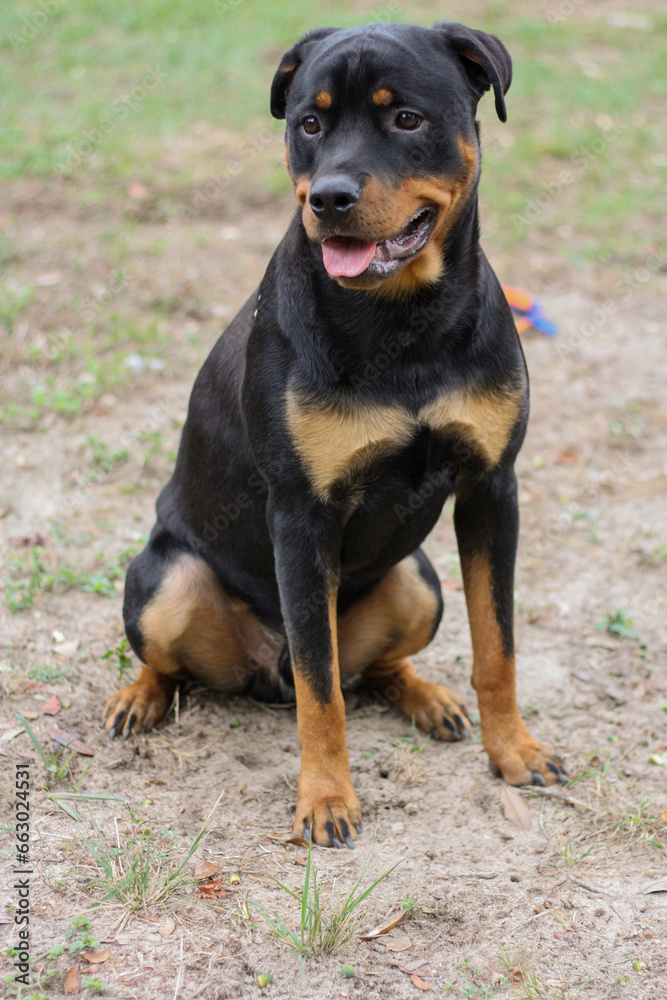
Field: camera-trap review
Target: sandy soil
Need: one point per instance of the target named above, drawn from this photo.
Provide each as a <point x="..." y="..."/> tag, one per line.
<point x="556" y="910"/>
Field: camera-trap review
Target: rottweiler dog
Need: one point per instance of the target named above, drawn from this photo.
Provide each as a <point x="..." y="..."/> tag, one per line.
<point x="375" y="372"/>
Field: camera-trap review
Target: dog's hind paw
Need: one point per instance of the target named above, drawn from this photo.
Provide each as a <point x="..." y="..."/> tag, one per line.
<point x="138" y="706"/>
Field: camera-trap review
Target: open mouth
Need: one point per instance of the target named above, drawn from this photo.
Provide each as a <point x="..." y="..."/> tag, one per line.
<point x="346" y="257"/>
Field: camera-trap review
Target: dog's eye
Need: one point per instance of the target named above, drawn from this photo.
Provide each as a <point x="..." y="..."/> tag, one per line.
<point x="311" y="126"/>
<point x="409" y="120"/>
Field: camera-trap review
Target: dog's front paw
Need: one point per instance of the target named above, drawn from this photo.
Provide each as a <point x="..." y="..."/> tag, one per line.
<point x="516" y="757"/>
<point x="330" y="817"/>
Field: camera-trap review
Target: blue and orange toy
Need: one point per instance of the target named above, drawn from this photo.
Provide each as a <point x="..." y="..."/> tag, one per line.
<point x="528" y="312"/>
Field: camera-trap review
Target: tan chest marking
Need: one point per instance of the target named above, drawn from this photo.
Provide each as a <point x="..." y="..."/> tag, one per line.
<point x="485" y="421"/>
<point x="334" y="442"/>
<point x="331" y="442"/>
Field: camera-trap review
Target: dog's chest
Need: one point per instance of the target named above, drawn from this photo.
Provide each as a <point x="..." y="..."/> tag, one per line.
<point x="339" y="444"/>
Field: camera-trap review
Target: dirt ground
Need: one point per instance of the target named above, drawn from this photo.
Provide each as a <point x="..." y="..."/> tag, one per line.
<point x="556" y="910"/>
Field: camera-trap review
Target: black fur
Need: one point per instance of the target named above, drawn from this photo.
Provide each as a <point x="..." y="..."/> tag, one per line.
<point x="239" y="497"/>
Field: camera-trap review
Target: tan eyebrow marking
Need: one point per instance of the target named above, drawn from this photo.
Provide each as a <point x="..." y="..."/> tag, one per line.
<point x="383" y="97"/>
<point x="323" y="100"/>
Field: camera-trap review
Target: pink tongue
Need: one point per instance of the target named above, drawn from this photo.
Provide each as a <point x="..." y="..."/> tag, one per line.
<point x="345" y="257"/>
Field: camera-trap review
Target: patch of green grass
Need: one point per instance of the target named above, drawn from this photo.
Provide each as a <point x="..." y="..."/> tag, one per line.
<point x="94" y="984"/>
<point x="13" y="301"/>
<point x="99" y="92"/>
<point x="25" y="581"/>
<point x="617" y="623"/>
<point x="78" y="935"/>
<point x="30" y="575"/>
<point x="47" y="673"/>
<point x="104" y="456"/>
<point x="121" y="653"/>
<point x="138" y="869"/>
<point x="323" y="927"/>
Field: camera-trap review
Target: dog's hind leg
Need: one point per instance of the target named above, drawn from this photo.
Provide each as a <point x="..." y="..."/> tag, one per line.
<point x="186" y="627"/>
<point x="379" y="633"/>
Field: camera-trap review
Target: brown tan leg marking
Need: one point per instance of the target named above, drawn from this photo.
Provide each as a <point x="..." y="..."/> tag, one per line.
<point x="327" y="805"/>
<point x="506" y="737"/>
<point x="381" y="631"/>
<point x="191" y="628"/>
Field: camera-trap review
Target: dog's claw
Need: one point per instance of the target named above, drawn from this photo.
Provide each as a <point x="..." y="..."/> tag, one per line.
<point x="537" y="778"/>
<point x="349" y="842"/>
<point x="337" y="843"/>
<point x="112" y="733"/>
<point x="461" y="724"/>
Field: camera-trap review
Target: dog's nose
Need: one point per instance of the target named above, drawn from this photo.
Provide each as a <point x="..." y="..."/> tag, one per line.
<point x="332" y="197"/>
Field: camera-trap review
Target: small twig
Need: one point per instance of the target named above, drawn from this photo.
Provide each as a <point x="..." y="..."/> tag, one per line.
<point x="592" y="888"/>
<point x="558" y="796"/>
<point x="542" y="826"/>
<point x="180" y="970"/>
<point x="510" y="930"/>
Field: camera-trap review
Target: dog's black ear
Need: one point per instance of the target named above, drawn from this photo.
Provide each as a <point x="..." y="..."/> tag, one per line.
<point x="485" y="59"/>
<point x="289" y="64"/>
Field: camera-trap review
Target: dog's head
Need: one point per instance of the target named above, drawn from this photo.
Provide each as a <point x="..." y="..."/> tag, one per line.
<point x="381" y="142"/>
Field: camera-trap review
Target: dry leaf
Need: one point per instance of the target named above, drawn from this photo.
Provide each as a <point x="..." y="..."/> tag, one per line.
<point x="664" y="816"/>
<point x="567" y="457"/>
<point x="515" y="809"/>
<point x="211" y="890"/>
<point x="297" y="841"/>
<point x="420" y="984"/>
<point x="659" y="886"/>
<point x="167" y="928"/>
<point x="30" y="715"/>
<point x="205" y="869"/>
<point x="71" y="742"/>
<point x="137" y="191"/>
<point x="383" y="928"/>
<point x="73" y="980"/>
<point x="300" y="860"/>
<point x="399" y="944"/>
<point x="98" y="958"/>
<point x="51" y="706"/>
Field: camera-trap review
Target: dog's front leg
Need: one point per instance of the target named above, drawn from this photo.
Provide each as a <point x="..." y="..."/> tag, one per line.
<point x="487" y="526"/>
<point x="307" y="553"/>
